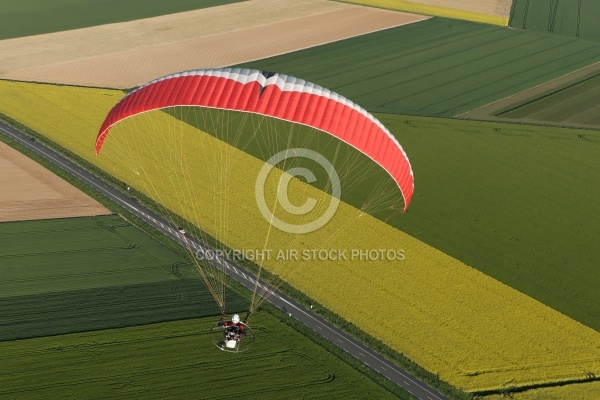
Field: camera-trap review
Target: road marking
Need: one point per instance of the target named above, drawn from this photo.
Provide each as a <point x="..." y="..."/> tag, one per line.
<point x="381" y="359"/>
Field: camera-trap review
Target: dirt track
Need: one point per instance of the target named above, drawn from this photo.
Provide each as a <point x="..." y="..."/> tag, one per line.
<point x="127" y="54"/>
<point x="28" y="191"/>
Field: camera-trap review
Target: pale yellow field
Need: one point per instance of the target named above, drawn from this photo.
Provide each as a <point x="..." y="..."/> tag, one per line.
<point x="127" y="54"/>
<point x="473" y="331"/>
<point x="495" y="12"/>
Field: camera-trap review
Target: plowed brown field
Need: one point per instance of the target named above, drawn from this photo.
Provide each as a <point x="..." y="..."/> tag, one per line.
<point x="29" y="191"/>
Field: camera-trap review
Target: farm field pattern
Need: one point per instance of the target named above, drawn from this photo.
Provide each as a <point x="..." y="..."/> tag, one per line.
<point x="177" y="360"/>
<point x="498" y="290"/>
<point x="78" y="274"/>
<point x="436" y="67"/>
<point x="68" y="284"/>
<point x="515" y="318"/>
<point x="131" y="53"/>
<point x="491" y="203"/>
<point x="480" y="205"/>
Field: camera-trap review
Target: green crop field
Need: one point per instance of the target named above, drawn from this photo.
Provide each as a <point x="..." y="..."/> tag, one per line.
<point x="34" y="17"/>
<point x="79" y="274"/>
<point x="436" y="67"/>
<point x="576" y="104"/>
<point x="484" y="189"/>
<point x="94" y="307"/>
<point x="516" y="202"/>
<point x="575" y="18"/>
<point x="178" y="360"/>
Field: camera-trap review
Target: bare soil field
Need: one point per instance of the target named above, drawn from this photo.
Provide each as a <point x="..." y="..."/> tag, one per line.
<point x="124" y="55"/>
<point x="28" y="191"/>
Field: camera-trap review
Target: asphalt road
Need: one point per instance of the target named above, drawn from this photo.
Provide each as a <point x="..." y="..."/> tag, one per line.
<point x="341" y="339"/>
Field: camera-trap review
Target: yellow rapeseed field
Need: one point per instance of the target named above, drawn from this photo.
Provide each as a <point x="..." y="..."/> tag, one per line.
<point x="473" y="331"/>
<point x="436" y="11"/>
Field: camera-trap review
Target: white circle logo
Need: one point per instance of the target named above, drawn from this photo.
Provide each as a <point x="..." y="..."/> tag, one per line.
<point x="282" y="191"/>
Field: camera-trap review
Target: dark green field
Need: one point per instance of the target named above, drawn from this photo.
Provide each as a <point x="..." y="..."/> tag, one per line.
<point x="575" y="18"/>
<point x="436" y="67"/>
<point x="575" y="104"/>
<point x="518" y="203"/>
<point x="34" y="17"/>
<point x="515" y="202"/>
<point x="177" y="360"/>
<point x="95" y="308"/>
<point x="79" y="274"/>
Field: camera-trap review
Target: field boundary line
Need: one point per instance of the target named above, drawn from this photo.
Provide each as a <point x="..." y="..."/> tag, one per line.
<point x="423" y="18"/>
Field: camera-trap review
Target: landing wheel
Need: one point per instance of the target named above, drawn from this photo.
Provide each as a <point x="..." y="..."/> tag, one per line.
<point x="230" y="341"/>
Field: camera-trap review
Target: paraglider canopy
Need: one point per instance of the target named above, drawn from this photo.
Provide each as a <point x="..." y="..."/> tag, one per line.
<point x="279" y="96"/>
